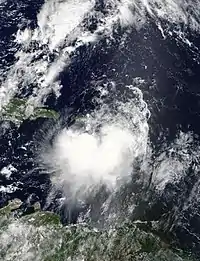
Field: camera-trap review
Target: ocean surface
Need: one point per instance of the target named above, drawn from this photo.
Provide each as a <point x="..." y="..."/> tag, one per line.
<point x="124" y="78"/>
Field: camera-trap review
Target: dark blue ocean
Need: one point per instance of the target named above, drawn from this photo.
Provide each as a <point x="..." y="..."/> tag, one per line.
<point x="170" y="69"/>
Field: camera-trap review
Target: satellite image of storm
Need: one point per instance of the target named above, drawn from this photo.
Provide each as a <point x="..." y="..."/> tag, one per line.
<point x="99" y="130"/>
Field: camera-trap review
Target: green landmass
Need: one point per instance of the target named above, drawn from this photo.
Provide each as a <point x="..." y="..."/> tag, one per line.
<point x="40" y="236"/>
<point x="16" y="112"/>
